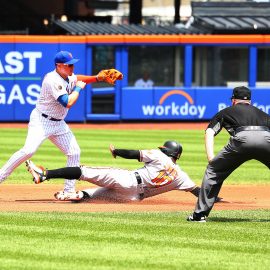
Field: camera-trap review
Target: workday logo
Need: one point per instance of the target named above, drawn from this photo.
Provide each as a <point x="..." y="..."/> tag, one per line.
<point x="169" y="106"/>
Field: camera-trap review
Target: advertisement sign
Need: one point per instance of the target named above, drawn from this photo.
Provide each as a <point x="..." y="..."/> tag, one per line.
<point x="22" y="68"/>
<point x="161" y="103"/>
<point x="174" y="103"/>
<point x="171" y="103"/>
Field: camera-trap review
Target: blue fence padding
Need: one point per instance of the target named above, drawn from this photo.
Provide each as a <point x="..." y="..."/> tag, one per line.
<point x="253" y="51"/>
<point x="103" y="91"/>
<point x="132" y="101"/>
<point x="103" y="117"/>
<point x="188" y="65"/>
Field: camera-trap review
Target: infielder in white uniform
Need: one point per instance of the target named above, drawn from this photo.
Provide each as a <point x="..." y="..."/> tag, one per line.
<point x="159" y="174"/>
<point x="60" y="91"/>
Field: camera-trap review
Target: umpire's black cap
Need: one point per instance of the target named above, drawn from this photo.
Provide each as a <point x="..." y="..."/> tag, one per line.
<point x="241" y="92"/>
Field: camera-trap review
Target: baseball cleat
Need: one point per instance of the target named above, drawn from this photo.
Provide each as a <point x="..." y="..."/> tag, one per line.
<point x="197" y="218"/>
<point x="69" y="196"/>
<point x="38" y="172"/>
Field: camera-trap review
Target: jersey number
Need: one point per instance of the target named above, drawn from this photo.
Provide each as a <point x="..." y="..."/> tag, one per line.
<point x="165" y="177"/>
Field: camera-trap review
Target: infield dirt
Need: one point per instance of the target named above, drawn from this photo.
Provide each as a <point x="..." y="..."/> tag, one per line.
<point x="40" y="197"/>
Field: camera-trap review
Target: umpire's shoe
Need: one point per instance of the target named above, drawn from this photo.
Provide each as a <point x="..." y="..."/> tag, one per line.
<point x="38" y="172"/>
<point x="196" y="218"/>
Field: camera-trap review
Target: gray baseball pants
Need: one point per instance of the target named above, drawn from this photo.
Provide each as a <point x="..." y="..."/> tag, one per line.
<point x="244" y="146"/>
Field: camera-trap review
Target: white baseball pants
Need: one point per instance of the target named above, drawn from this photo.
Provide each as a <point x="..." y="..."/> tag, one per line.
<point x="39" y="129"/>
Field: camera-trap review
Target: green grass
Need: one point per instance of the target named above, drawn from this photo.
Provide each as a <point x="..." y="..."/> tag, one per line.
<point x="233" y="240"/>
<point x="94" y="146"/>
<point x="230" y="240"/>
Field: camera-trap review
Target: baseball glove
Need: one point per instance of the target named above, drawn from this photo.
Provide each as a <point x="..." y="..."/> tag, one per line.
<point x="109" y="76"/>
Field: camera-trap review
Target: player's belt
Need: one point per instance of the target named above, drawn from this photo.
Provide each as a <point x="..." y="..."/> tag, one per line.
<point x="50" y="118"/>
<point x="140" y="185"/>
<point x="251" y="128"/>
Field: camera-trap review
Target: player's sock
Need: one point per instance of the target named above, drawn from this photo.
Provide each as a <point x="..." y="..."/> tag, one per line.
<point x="67" y="173"/>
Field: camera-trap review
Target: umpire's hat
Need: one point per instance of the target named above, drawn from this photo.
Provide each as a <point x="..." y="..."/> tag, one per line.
<point x="241" y="92"/>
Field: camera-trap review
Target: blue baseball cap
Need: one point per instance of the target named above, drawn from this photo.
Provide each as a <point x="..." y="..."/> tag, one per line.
<point x="64" y="57"/>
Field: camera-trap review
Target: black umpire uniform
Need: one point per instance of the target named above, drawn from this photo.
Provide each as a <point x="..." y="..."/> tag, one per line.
<point x="249" y="128"/>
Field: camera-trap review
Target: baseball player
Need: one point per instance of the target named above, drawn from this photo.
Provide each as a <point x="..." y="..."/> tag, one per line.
<point x="249" y="128"/>
<point x="59" y="92"/>
<point x="159" y="174"/>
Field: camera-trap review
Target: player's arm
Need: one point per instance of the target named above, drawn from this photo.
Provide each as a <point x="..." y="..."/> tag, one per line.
<point x="69" y="100"/>
<point x="124" y="153"/>
<point x="214" y="127"/>
<point x="109" y="76"/>
<point x="87" y="79"/>
<point x="209" y="143"/>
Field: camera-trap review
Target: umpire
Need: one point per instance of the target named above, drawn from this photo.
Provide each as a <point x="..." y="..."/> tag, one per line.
<point x="249" y="128"/>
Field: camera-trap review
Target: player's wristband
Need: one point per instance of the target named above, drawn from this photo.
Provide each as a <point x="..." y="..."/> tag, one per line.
<point x="129" y="154"/>
<point x="77" y="89"/>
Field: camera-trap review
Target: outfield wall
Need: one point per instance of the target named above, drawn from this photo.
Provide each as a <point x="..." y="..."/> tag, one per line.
<point x="24" y="60"/>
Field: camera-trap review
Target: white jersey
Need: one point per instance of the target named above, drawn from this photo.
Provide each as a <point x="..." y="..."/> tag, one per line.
<point x="159" y="170"/>
<point x="159" y="175"/>
<point x="54" y="86"/>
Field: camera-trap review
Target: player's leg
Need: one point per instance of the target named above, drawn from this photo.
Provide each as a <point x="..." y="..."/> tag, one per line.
<point x="119" y="184"/>
<point x="40" y="174"/>
<point x="266" y="161"/>
<point x="67" y="143"/>
<point x="261" y="149"/>
<point x="239" y="150"/>
<point x="104" y="194"/>
<point x="108" y="177"/>
<point x="34" y="139"/>
<point x="225" y="162"/>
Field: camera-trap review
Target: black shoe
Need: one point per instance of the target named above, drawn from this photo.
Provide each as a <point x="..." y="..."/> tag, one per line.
<point x="86" y="196"/>
<point x="219" y="199"/>
<point x="196" y="218"/>
<point x="80" y="197"/>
